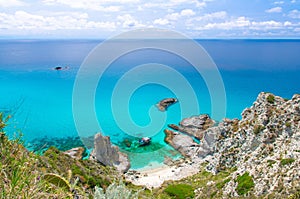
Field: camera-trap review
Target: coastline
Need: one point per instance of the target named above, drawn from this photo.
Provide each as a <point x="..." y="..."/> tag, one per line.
<point x="155" y="177"/>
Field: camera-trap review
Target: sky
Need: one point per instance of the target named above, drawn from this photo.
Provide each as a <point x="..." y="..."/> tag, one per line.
<point x="106" y="18"/>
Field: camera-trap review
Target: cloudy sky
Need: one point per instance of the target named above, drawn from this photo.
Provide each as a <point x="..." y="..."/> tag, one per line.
<point x="194" y="18"/>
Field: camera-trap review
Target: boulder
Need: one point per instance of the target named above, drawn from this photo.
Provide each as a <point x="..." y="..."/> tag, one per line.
<point x="109" y="155"/>
<point x="76" y="153"/>
<point x="165" y="103"/>
<point x="184" y="144"/>
<point x="194" y="126"/>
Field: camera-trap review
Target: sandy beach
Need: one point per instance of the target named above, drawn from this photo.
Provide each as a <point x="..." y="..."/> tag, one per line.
<point x="155" y="177"/>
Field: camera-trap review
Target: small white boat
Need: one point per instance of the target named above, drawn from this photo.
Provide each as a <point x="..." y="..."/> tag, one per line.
<point x="144" y="141"/>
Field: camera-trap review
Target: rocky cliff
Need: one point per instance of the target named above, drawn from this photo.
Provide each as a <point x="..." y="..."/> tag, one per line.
<point x="265" y="144"/>
<point x="109" y="155"/>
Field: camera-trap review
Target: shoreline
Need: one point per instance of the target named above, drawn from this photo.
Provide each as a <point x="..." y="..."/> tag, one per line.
<point x="155" y="177"/>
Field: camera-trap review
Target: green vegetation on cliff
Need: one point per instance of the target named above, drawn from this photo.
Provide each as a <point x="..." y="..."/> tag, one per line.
<point x="245" y="183"/>
<point x="53" y="175"/>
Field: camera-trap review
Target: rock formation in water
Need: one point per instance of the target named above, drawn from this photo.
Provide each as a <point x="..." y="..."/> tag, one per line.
<point x="265" y="143"/>
<point x="109" y="155"/>
<point x="184" y="144"/>
<point x="194" y="126"/>
<point x="165" y="103"/>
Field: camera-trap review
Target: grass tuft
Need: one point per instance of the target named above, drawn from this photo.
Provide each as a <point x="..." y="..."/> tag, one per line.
<point x="245" y="184"/>
<point x="180" y="191"/>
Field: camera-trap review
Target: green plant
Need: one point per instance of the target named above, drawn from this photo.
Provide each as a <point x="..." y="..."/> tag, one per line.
<point x="257" y="129"/>
<point x="271" y="99"/>
<point x="271" y="162"/>
<point x="295" y="195"/>
<point x="288" y="124"/>
<point x="245" y="183"/>
<point x="3" y="121"/>
<point x="286" y="161"/>
<point x="180" y="191"/>
<point x="57" y="180"/>
<point x="115" y="191"/>
<point x="220" y="185"/>
<point x="19" y="173"/>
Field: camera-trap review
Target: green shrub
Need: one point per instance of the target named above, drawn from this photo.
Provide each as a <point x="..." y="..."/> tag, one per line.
<point x="245" y="183"/>
<point x="115" y="191"/>
<point x="271" y="99"/>
<point x="220" y="185"/>
<point x="57" y="180"/>
<point x="286" y="161"/>
<point x="271" y="162"/>
<point x="257" y="129"/>
<point x="288" y="124"/>
<point x="180" y="191"/>
<point x="295" y="195"/>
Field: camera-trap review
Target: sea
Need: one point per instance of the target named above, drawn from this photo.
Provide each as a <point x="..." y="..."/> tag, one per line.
<point x="47" y="107"/>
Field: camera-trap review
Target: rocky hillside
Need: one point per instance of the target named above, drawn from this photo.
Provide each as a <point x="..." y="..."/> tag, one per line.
<point x="263" y="147"/>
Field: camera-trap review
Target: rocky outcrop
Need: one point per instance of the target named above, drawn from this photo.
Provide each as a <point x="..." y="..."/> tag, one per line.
<point x="182" y="143"/>
<point x="265" y="143"/>
<point x="194" y="126"/>
<point x="109" y="155"/>
<point x="267" y="136"/>
<point x="165" y="103"/>
<point x="76" y="153"/>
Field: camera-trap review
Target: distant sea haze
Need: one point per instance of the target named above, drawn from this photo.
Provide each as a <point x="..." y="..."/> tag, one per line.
<point x="40" y="98"/>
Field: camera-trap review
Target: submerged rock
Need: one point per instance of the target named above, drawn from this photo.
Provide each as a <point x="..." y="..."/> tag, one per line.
<point x="165" y="103"/>
<point x="109" y="155"/>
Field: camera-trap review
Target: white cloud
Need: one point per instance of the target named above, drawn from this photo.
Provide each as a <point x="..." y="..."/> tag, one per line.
<point x="295" y="14"/>
<point x="174" y="16"/>
<point x="240" y="22"/>
<point x="129" y="21"/>
<point x="161" y="21"/>
<point x="22" y="20"/>
<point x="279" y="2"/>
<point x="187" y="12"/>
<point x="168" y="4"/>
<point x="243" y="23"/>
<point x="211" y="16"/>
<point x="288" y="23"/>
<point x="266" y="25"/>
<point x="274" y="10"/>
<point x="11" y="3"/>
<point x="293" y="1"/>
<point x="86" y="4"/>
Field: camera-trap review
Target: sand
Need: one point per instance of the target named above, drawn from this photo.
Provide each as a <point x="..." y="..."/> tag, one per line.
<point x="155" y="177"/>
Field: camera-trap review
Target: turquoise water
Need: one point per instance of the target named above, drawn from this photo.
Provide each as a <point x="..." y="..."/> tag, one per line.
<point x="40" y="98"/>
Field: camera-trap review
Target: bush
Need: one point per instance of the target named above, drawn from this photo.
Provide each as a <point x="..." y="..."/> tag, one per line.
<point x="271" y="162"/>
<point x="180" y="191"/>
<point x="220" y="185"/>
<point x="286" y="161"/>
<point x="115" y="191"/>
<point x="257" y="129"/>
<point x="245" y="183"/>
<point x="288" y="124"/>
<point x="271" y="99"/>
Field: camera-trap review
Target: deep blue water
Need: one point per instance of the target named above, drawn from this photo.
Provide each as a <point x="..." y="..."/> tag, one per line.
<point x="40" y="98"/>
